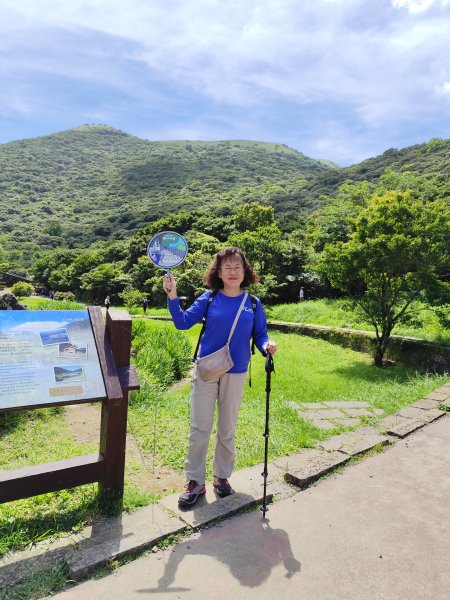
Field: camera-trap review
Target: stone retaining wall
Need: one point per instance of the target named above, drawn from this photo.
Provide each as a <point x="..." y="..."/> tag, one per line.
<point x="419" y="354"/>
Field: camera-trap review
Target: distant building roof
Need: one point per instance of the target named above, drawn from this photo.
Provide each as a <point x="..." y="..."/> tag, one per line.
<point x="11" y="277"/>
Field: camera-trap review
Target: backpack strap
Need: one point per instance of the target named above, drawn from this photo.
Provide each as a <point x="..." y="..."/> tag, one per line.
<point x="202" y="331"/>
<point x="254" y="304"/>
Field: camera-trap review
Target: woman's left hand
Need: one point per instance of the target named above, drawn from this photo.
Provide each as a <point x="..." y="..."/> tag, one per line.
<point x="270" y="347"/>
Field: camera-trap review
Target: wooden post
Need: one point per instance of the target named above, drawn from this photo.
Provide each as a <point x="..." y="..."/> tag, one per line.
<point x="113" y="430"/>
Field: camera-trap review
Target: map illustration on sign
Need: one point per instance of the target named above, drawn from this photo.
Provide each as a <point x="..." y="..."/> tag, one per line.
<point x="167" y="249"/>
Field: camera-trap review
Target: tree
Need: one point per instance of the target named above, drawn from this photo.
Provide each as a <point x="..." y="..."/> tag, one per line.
<point x="262" y="247"/>
<point x="54" y="229"/>
<point x="253" y="215"/>
<point x="420" y="186"/>
<point x="292" y="266"/>
<point x="397" y="251"/>
<point x="82" y="264"/>
<point x="333" y="222"/>
<point x="132" y="297"/>
<point x="4" y="262"/>
<point x="105" y="279"/>
<point x="51" y="269"/>
<point x="141" y="272"/>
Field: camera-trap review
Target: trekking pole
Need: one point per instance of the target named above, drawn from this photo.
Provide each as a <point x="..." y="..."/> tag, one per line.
<point x="269" y="368"/>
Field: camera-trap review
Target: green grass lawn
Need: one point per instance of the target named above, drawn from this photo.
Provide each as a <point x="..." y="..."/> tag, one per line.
<point x="152" y="311"/>
<point x="41" y="303"/>
<point x="49" y="515"/>
<point x="337" y="313"/>
<point x="306" y="370"/>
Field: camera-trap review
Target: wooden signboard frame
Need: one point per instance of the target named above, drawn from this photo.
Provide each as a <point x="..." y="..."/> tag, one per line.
<point x="113" y="342"/>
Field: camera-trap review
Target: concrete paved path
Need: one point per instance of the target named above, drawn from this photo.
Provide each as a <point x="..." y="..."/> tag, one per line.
<point x="378" y="531"/>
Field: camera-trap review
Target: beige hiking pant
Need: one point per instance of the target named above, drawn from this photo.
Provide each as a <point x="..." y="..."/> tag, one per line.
<point x="227" y="391"/>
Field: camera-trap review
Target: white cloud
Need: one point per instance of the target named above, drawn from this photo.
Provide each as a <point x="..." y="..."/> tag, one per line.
<point x="239" y="53"/>
<point x="37" y="326"/>
<point x="379" y="64"/>
<point x="418" y="6"/>
<point x="444" y="89"/>
<point x="413" y="6"/>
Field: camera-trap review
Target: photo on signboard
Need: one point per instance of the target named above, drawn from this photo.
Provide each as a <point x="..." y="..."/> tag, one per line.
<point x="69" y="350"/>
<point x="54" y="336"/>
<point x="70" y="373"/>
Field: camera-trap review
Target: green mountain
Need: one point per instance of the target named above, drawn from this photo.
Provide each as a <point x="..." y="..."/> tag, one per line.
<point x="431" y="160"/>
<point x="95" y="182"/>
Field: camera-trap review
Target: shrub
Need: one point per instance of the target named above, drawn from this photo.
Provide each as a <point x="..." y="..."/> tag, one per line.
<point x="132" y="297"/>
<point x="22" y="288"/>
<point x="65" y="296"/>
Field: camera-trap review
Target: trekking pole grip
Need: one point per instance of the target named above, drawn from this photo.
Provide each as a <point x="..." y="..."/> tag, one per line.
<point x="269" y="366"/>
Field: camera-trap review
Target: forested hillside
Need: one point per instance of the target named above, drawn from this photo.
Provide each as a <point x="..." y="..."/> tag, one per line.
<point x="431" y="160"/>
<point x="95" y="182"/>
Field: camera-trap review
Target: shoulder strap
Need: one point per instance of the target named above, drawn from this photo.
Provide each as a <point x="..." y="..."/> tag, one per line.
<point x="202" y="331"/>
<point x="236" y="318"/>
<point x="254" y="304"/>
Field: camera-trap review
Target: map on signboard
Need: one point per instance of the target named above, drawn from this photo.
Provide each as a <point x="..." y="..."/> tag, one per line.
<point x="167" y="249"/>
<point x="47" y="357"/>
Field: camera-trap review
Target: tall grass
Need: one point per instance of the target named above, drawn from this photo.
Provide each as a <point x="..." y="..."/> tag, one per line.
<point x="38" y="585"/>
<point x="161" y="354"/>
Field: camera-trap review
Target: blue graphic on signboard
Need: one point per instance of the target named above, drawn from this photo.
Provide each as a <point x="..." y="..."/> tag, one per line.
<point x="167" y="249"/>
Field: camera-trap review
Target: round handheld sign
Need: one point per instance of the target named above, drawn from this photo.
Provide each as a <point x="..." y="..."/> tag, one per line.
<point x="167" y="249"/>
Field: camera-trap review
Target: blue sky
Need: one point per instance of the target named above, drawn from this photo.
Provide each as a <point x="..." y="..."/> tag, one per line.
<point x="337" y="79"/>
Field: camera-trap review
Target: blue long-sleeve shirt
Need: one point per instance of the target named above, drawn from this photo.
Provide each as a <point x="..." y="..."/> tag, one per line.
<point x="221" y="314"/>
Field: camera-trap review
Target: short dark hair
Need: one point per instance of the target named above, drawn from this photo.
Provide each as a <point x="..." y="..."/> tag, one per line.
<point x="211" y="277"/>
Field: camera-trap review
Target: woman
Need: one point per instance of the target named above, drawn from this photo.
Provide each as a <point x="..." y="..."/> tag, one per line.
<point x="229" y="273"/>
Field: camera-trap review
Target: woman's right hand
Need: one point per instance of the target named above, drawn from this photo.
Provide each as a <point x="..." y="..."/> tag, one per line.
<point x="170" y="286"/>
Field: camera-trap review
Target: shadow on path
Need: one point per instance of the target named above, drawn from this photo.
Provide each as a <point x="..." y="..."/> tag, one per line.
<point x="250" y="553"/>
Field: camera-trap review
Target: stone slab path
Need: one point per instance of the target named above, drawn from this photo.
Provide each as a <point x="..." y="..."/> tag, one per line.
<point x="329" y="415"/>
<point x="378" y="530"/>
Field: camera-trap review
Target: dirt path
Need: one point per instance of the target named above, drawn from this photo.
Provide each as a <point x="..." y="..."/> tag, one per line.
<point x="83" y="422"/>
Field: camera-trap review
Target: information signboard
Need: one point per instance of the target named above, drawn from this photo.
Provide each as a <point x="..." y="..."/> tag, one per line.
<point x="47" y="358"/>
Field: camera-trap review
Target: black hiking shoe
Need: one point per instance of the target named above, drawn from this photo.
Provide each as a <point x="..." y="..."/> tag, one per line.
<point x="192" y="493"/>
<point x="222" y="487"/>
